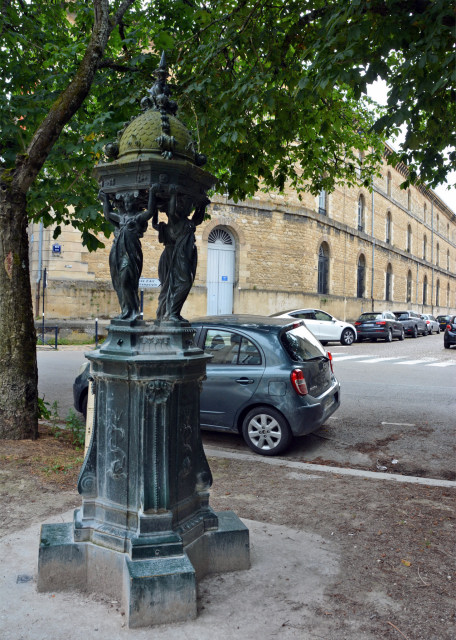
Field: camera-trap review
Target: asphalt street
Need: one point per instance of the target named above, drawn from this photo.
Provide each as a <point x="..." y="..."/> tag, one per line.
<point x="397" y="414"/>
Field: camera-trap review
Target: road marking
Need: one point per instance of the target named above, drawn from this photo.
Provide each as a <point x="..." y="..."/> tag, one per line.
<point x="343" y="471"/>
<point x="415" y="362"/>
<point x="340" y="358"/>
<point x="441" y="364"/>
<point x="398" y="424"/>
<point x="379" y="360"/>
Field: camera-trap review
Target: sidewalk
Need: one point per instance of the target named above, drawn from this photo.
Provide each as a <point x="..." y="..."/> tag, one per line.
<point x="334" y="557"/>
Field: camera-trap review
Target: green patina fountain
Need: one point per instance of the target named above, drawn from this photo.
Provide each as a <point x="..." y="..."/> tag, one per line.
<point x="145" y="531"/>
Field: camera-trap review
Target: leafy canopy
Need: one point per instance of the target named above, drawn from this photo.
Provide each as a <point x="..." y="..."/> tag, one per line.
<point x="274" y="91"/>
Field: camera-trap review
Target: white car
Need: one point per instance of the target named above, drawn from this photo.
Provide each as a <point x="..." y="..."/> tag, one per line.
<point x="324" y="326"/>
<point x="431" y="323"/>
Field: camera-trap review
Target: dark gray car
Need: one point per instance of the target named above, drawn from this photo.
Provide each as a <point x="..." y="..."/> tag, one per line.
<point x="412" y="322"/>
<point x="379" y="324"/>
<point x="269" y="379"/>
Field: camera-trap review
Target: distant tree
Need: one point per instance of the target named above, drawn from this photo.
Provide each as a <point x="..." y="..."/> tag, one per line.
<point x="285" y="81"/>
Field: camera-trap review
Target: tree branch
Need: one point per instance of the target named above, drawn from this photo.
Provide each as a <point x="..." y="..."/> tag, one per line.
<point x="65" y="106"/>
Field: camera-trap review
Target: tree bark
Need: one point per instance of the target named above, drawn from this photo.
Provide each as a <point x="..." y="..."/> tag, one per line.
<point x="18" y="368"/>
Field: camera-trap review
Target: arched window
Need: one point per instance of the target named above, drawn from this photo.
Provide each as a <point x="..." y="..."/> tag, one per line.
<point x="437" y="294"/>
<point x="437" y="251"/>
<point x="361" y="277"/>
<point x="409" y="286"/>
<point x="389" y="183"/>
<point x="409" y="200"/>
<point x="448" y="260"/>
<point x="323" y="268"/>
<point x="388" y="230"/>
<point x="448" y="294"/>
<point x="409" y="239"/>
<point x="437" y="228"/>
<point x="388" y="282"/>
<point x="448" y="229"/>
<point x="361" y="213"/>
<point x="424" y="213"/>
<point x="425" y="290"/>
<point x="322" y="202"/>
<point x="424" y="246"/>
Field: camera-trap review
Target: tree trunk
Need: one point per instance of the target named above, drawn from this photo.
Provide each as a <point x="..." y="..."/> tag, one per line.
<point x="18" y="367"/>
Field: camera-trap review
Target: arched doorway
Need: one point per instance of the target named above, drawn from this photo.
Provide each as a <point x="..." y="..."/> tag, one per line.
<point x="221" y="250"/>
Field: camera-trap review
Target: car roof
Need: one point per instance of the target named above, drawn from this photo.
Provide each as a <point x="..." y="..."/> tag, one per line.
<point x="246" y="321"/>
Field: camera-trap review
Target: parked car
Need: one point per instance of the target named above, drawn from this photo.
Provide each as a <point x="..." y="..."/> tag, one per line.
<point x="379" y="324"/>
<point x="443" y="321"/>
<point x="432" y="323"/>
<point x="412" y="322"/>
<point x="449" y="337"/>
<point x="269" y="379"/>
<point x="323" y="325"/>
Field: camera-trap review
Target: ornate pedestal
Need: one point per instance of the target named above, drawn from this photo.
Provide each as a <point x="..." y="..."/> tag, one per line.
<point x="145" y="530"/>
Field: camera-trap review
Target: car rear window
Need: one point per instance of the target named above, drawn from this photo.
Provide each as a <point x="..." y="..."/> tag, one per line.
<point x="301" y="345"/>
<point x="370" y="316"/>
<point x="401" y="315"/>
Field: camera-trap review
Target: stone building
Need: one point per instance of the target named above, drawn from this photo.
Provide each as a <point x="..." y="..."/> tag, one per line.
<point x="345" y="252"/>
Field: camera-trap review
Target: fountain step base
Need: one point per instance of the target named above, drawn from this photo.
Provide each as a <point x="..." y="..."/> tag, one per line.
<point x="152" y="591"/>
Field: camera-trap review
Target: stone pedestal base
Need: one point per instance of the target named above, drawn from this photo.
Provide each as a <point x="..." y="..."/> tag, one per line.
<point x="152" y="591"/>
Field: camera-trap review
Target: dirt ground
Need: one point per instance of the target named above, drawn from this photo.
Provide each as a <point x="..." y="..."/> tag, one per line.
<point x="395" y="541"/>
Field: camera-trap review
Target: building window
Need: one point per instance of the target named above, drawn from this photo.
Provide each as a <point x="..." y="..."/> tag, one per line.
<point x="388" y="228"/>
<point x="388" y="282"/>
<point x="409" y="200"/>
<point x="448" y="260"/>
<point x="425" y="290"/>
<point x="424" y="246"/>
<point x="409" y="239"/>
<point x="437" y="294"/>
<point x="361" y="213"/>
<point x="424" y="213"/>
<point x="437" y="251"/>
<point x="448" y="294"/>
<point x="389" y="184"/>
<point x="448" y="229"/>
<point x="361" y="277"/>
<point x="409" y="286"/>
<point x="323" y="268"/>
<point x="322" y="202"/>
<point x="437" y="228"/>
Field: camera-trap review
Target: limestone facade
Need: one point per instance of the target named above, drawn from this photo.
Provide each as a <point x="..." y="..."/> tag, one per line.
<point x="349" y="252"/>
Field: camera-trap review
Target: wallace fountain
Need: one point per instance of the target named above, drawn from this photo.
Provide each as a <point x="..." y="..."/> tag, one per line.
<point x="145" y="531"/>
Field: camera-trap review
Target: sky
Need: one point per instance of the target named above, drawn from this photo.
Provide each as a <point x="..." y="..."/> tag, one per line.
<point x="378" y="92"/>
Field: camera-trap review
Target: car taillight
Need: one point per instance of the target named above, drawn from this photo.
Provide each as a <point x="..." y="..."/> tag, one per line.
<point x="382" y="322"/>
<point x="449" y="327"/>
<point x="329" y="354"/>
<point x="357" y="323"/>
<point x="298" y="381"/>
<point x="428" y="322"/>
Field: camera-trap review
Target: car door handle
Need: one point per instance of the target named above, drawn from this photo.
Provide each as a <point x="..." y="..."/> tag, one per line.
<point x="245" y="380"/>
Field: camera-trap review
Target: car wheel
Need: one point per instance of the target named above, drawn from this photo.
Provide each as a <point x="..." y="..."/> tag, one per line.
<point x="438" y="330"/>
<point x="425" y="332"/>
<point x="84" y="406"/>
<point x="347" y="337"/>
<point x="402" y="336"/>
<point x="389" y="337"/>
<point x="266" y="431"/>
<point x="415" y="332"/>
<point x="446" y="345"/>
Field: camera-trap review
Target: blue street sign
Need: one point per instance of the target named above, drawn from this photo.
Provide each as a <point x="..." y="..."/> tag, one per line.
<point x="56" y="248"/>
<point x="224" y="278"/>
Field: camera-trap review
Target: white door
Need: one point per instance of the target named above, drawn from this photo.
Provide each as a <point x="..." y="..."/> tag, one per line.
<point x="220" y="272"/>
